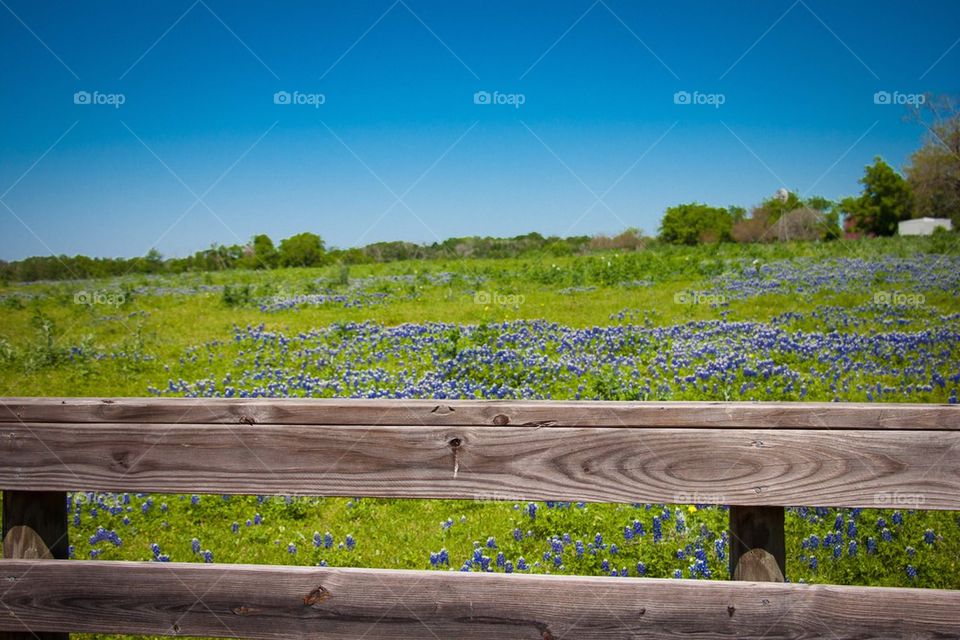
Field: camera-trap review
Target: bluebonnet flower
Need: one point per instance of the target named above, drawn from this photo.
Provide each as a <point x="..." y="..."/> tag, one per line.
<point x="194" y="499"/>
<point x="532" y="511"/>
<point x="491" y="543"/>
<point x="929" y="537"/>
<point x="677" y="573"/>
<point x="517" y="535"/>
<point x="508" y="567"/>
<point x="910" y="551"/>
<point x="208" y="556"/>
<point x="195" y="545"/>
<point x="886" y="535"/>
<point x="911" y="571"/>
<point x="897" y="517"/>
<point x="871" y="545"/>
<point x="327" y="540"/>
<point x="852" y="548"/>
<point x="605" y="565"/>
<point x="292" y="549"/>
<point x="641" y="569"/>
<point x="235" y="527"/>
<point x="521" y="564"/>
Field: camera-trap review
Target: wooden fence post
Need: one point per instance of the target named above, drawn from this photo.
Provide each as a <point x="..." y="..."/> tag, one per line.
<point x="34" y="527"/>
<point x="757" y="544"/>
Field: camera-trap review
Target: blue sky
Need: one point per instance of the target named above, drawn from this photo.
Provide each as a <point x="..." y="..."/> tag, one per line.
<point x="199" y="151"/>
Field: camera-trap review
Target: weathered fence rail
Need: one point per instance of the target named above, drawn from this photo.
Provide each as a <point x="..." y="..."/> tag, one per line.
<point x="756" y="457"/>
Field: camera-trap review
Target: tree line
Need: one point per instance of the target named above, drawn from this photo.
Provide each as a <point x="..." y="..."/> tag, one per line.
<point x="930" y="188"/>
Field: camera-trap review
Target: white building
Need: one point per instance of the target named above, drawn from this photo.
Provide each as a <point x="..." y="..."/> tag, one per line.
<point x="923" y="226"/>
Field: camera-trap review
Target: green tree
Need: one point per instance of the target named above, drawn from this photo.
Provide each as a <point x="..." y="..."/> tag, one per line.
<point x="884" y="201"/>
<point x="774" y="207"/>
<point x="695" y="222"/>
<point x="934" y="171"/>
<point x="302" y="250"/>
<point x="265" y="255"/>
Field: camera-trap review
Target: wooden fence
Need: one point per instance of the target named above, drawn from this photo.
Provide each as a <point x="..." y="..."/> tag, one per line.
<point x="757" y="457"/>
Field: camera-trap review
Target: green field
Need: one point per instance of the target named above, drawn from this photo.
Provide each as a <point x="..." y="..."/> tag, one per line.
<point x="866" y="321"/>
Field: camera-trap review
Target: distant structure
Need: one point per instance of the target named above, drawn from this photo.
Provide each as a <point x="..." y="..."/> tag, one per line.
<point x="782" y="194"/>
<point x="800" y="224"/>
<point x="923" y="226"/>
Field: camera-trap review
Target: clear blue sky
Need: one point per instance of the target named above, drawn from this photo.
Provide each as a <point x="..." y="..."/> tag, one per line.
<point x="400" y="150"/>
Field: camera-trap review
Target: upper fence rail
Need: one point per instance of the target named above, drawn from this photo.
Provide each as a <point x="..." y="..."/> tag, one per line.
<point x="848" y="455"/>
<point x="540" y="413"/>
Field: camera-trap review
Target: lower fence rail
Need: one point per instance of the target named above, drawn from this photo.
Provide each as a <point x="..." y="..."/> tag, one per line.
<point x="257" y="601"/>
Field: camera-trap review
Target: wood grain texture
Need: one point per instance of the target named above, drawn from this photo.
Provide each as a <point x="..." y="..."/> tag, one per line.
<point x="334" y="604"/>
<point x="744" y="467"/>
<point x="757" y="540"/>
<point x="769" y="415"/>
<point x="34" y="528"/>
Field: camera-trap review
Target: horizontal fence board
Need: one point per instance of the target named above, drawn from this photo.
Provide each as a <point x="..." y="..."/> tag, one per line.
<point x="339" y="604"/>
<point x="769" y="415"/>
<point x="745" y="466"/>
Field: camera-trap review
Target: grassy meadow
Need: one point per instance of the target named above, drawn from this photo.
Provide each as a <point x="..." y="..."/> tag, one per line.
<point x="866" y="321"/>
